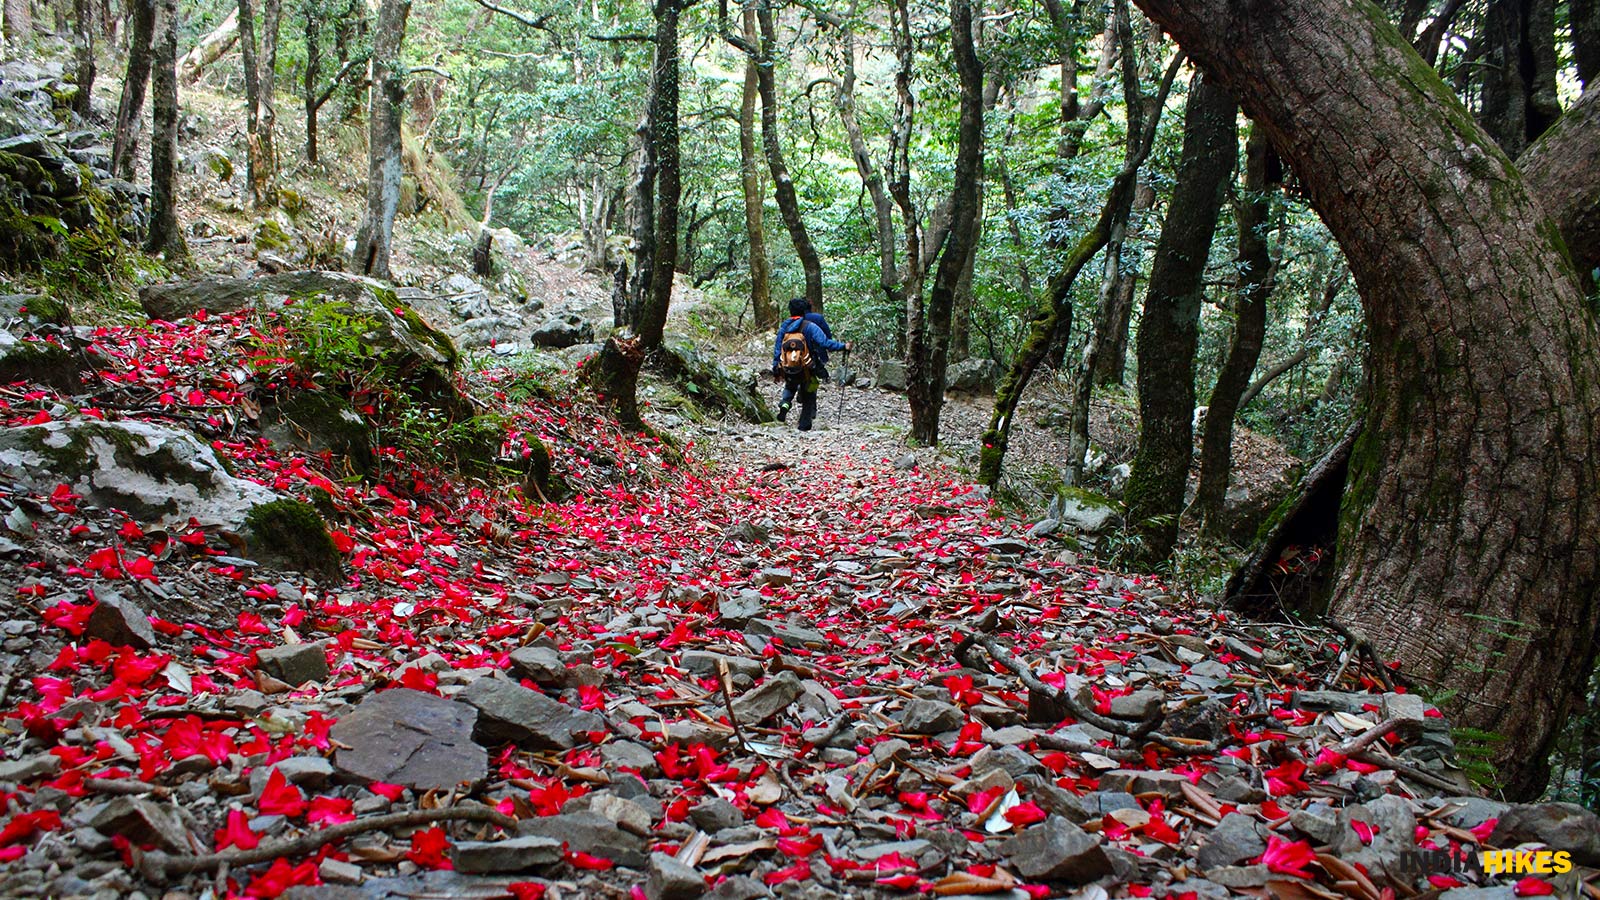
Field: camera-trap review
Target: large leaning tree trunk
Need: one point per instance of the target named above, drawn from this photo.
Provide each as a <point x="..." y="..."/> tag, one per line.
<point x="1169" y="329"/>
<point x="1563" y="171"/>
<point x="1255" y="283"/>
<point x="165" y="237"/>
<point x="650" y="315"/>
<point x="1469" y="538"/>
<point x="373" y="238"/>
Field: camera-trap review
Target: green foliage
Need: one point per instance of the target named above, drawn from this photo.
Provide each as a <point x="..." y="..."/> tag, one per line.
<point x="292" y="532"/>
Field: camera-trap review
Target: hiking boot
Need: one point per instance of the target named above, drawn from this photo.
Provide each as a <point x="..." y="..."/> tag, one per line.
<point x="783" y="413"/>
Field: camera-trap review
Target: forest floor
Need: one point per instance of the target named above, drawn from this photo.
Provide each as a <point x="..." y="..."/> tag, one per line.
<point x="733" y="674"/>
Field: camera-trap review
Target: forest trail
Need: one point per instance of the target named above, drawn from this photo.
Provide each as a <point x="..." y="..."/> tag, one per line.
<point x="782" y="665"/>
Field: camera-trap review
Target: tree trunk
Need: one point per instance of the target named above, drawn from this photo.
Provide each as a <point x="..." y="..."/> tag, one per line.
<point x="1519" y="72"/>
<point x="762" y="309"/>
<point x="209" y="49"/>
<point x="928" y="348"/>
<point x="1169" y="328"/>
<point x="259" y="48"/>
<point x="1563" y="171"/>
<point x="165" y="237"/>
<point x="130" y="110"/>
<point x="613" y="375"/>
<point x="313" y="73"/>
<point x="642" y="215"/>
<point x="19" y="22"/>
<point x="1244" y="347"/>
<point x="651" y="322"/>
<point x="1112" y="365"/>
<point x="388" y="95"/>
<point x="1584" y="16"/>
<point x="1470" y="526"/>
<point x="772" y="142"/>
<point x="83" y="50"/>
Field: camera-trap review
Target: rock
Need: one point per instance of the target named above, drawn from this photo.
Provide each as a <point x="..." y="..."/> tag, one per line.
<point x="1142" y="781"/>
<point x="1470" y="812"/>
<point x="308" y="771"/>
<point x="588" y="832"/>
<point x="906" y="462"/>
<point x="294" y="664"/>
<point x="1239" y="876"/>
<point x="320" y="422"/>
<point x="972" y="376"/>
<point x="511" y="712"/>
<point x="291" y="534"/>
<point x="1405" y="706"/>
<point x="741" y="607"/>
<point x="704" y="663"/>
<point x="1559" y="826"/>
<point x="739" y="887"/>
<point x="1084" y="511"/>
<point x="422" y="354"/>
<point x="1044" y="528"/>
<point x="568" y="330"/>
<point x="1330" y="701"/>
<point x="518" y="854"/>
<point x="791" y="635"/>
<point x="30" y="768"/>
<point x="334" y="871"/>
<point x="713" y="814"/>
<point x="923" y="716"/>
<point x="407" y="737"/>
<point x="151" y="472"/>
<point x="540" y="664"/>
<point x="1013" y="760"/>
<point x="775" y="577"/>
<point x="1137" y="705"/>
<point x="628" y="815"/>
<point x="747" y="532"/>
<point x="670" y="879"/>
<point x="1236" y="839"/>
<point x="624" y="755"/>
<point x="1056" y="850"/>
<point x="39" y="362"/>
<point x="120" y="622"/>
<point x="1317" y="822"/>
<point x="145" y="822"/>
<point x="891" y="375"/>
<point x="767" y="699"/>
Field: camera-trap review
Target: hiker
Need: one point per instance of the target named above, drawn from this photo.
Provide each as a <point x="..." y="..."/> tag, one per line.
<point x="800" y="358"/>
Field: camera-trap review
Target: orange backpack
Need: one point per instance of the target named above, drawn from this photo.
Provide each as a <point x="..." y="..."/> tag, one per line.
<point x="794" y="351"/>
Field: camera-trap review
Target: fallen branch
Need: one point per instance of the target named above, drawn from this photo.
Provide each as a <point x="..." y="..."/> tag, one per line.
<point x="1361" y="742"/>
<point x="1365" y="648"/>
<point x="1144" y="730"/>
<point x="1408" y="771"/>
<point x="158" y="866"/>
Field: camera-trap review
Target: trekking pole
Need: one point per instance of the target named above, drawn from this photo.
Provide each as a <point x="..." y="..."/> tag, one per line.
<point x="844" y="371"/>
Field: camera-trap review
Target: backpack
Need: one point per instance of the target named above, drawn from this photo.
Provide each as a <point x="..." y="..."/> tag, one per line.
<point x="794" y="351"/>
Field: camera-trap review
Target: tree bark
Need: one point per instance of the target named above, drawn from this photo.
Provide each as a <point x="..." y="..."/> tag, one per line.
<point x="165" y="237"/>
<point x="613" y="375"/>
<point x="19" y="22"/>
<point x="209" y="49"/>
<point x="651" y="321"/>
<point x="762" y="309"/>
<point x="928" y="346"/>
<point x="1584" y="17"/>
<point x="388" y="94"/>
<point x="1519" y="72"/>
<point x="772" y="143"/>
<point x="259" y="48"/>
<point x="312" y="75"/>
<point x="1244" y="347"/>
<point x="130" y="110"/>
<point x="1470" y="532"/>
<point x="1563" y="171"/>
<point x="1169" y="328"/>
<point x="1112" y="365"/>
<point x="83" y="50"/>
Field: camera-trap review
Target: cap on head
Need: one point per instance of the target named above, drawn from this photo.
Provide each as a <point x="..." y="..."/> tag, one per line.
<point x="799" y="306"/>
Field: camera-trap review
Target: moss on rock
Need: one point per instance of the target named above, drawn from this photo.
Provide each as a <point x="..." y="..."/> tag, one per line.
<point x="292" y="533"/>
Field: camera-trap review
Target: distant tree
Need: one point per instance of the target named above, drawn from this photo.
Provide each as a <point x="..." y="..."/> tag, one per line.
<point x="258" y="44"/>
<point x="83" y="50"/>
<point x="1169" y="328"/>
<point x="19" y="22"/>
<point x="761" y="305"/>
<point x="130" y="110"/>
<point x="165" y="236"/>
<point x="388" y="94"/>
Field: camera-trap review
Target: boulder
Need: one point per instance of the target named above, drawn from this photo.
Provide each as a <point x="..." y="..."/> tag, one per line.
<point x="39" y="362"/>
<point x="511" y="712"/>
<point x="566" y="330"/>
<point x="972" y="376"/>
<point x="1559" y="826"/>
<point x="1083" y="511"/>
<point x="151" y="472"/>
<point x="320" y="422"/>
<point x="891" y="375"/>
<point x="408" y="737"/>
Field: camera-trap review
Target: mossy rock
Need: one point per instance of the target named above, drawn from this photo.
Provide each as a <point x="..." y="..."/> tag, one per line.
<point x="542" y="480"/>
<point x="39" y="362"/>
<point x="711" y="387"/>
<point x="321" y="422"/>
<point x="34" y="309"/>
<point x="292" y="534"/>
<point x="269" y="235"/>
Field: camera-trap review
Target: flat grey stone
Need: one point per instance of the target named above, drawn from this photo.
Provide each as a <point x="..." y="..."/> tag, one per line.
<point x="30" y="768"/>
<point x="589" y="832"/>
<point x="540" y="664"/>
<point x="923" y="716"/>
<point x="670" y="879"/>
<point x="767" y="699"/>
<point x="509" y="712"/>
<point x="704" y="663"/>
<point x="408" y="737"/>
<point x="120" y="622"/>
<point x="518" y="854"/>
<point x="1236" y="839"/>
<point x="1057" y="850"/>
<point x="294" y="664"/>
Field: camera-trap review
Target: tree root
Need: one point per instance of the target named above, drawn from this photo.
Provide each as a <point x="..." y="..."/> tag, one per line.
<point x="158" y="866"/>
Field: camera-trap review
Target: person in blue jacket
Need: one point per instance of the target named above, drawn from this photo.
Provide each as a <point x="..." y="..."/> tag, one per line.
<point x="820" y="341"/>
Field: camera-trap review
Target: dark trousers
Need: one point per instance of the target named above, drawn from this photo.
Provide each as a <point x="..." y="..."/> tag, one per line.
<point x="806" y="387"/>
